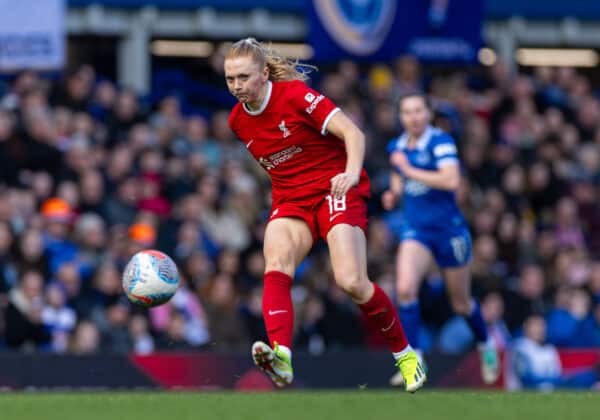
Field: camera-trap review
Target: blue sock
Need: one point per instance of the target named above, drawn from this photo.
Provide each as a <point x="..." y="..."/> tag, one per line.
<point x="410" y="316"/>
<point x="477" y="324"/>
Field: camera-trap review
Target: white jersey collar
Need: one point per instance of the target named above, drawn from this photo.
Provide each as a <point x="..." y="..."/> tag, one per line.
<point x="425" y="137"/>
<point x="264" y="103"/>
<point x="422" y="141"/>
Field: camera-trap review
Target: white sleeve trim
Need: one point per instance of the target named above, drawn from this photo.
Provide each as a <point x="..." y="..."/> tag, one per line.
<point x="447" y="161"/>
<point x="326" y="122"/>
<point x="444" y="149"/>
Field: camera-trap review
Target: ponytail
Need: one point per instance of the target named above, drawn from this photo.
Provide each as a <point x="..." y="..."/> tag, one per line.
<point x="280" y="67"/>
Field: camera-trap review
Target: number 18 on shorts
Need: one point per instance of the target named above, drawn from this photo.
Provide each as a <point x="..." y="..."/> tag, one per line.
<point x="349" y="209"/>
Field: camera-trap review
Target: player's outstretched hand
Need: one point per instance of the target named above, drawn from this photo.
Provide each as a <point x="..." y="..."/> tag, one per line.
<point x="341" y="183"/>
<point x="388" y="199"/>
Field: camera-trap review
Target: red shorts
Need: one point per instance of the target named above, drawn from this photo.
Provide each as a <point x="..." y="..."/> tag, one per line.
<point x="322" y="212"/>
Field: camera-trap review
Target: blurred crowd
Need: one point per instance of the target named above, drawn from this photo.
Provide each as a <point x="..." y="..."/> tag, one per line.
<point x="90" y="173"/>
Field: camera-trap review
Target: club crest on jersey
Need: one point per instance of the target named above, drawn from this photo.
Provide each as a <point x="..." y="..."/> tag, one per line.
<point x="284" y="129"/>
<point x="422" y="158"/>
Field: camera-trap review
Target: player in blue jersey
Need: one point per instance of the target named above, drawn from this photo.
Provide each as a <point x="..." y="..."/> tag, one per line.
<point x="426" y="174"/>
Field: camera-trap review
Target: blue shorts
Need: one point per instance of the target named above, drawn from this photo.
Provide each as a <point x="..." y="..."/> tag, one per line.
<point x="451" y="247"/>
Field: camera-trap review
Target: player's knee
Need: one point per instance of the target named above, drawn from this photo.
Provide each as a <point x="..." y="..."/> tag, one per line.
<point x="283" y="266"/>
<point x="280" y="262"/>
<point x="354" y="284"/>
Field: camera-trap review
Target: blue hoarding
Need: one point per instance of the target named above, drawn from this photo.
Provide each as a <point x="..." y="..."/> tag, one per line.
<point x="432" y="30"/>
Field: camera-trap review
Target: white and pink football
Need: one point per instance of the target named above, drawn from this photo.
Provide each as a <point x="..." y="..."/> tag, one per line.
<point x="150" y="278"/>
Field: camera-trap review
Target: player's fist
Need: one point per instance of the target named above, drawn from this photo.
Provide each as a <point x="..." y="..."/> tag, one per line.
<point x="388" y="199"/>
<point x="341" y="183"/>
<point x="400" y="161"/>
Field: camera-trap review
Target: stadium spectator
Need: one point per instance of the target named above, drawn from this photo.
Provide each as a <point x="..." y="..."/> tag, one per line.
<point x="492" y="308"/>
<point x="30" y="253"/>
<point x="173" y="337"/>
<point x="57" y="214"/>
<point x="104" y="291"/>
<point x="8" y="270"/>
<point x="121" y="206"/>
<point x="58" y="319"/>
<point x="225" y="323"/>
<point x="536" y="364"/>
<point x="69" y="278"/>
<point x="311" y="334"/>
<point x="185" y="302"/>
<point x="24" y="327"/>
<point x="113" y="325"/>
<point x="74" y="93"/>
<point x="85" y="340"/>
<point x="527" y="299"/>
<point x="139" y="334"/>
<point x="140" y="235"/>
<point x="570" y="323"/>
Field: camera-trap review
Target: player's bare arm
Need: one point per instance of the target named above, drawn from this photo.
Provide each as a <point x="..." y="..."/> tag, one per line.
<point x="447" y="177"/>
<point x="390" y="196"/>
<point x="342" y="127"/>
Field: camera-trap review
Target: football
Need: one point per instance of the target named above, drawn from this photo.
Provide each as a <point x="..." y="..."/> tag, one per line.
<point x="150" y="278"/>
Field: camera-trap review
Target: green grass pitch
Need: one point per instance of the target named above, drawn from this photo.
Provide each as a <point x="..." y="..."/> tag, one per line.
<point x="305" y="405"/>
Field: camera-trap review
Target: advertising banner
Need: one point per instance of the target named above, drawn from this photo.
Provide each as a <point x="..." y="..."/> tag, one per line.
<point x="445" y="31"/>
<point x="32" y="34"/>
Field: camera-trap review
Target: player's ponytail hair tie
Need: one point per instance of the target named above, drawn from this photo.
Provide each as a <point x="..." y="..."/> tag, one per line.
<point x="280" y="66"/>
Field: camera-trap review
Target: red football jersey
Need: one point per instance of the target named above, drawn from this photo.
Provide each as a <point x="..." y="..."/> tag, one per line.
<point x="288" y="136"/>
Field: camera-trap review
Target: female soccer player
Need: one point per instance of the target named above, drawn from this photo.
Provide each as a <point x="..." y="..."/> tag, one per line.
<point x="427" y="174"/>
<point x="314" y="156"/>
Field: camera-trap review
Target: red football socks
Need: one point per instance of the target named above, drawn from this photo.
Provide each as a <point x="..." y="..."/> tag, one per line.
<point x="380" y="311"/>
<point x="277" y="308"/>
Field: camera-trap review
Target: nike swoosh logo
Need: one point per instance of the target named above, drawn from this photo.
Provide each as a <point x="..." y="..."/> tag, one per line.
<point x="334" y="216"/>
<point x="391" y="325"/>
<point x="249" y="143"/>
<point x="277" y="312"/>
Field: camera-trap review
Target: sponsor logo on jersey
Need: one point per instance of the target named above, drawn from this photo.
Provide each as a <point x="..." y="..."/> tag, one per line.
<point x="309" y="97"/>
<point x="314" y="104"/>
<point x="278" y="158"/>
<point x="266" y="163"/>
<point x="284" y="129"/>
<point x="415" y="188"/>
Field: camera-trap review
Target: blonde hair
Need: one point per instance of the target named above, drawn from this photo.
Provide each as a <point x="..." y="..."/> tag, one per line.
<point x="280" y="67"/>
